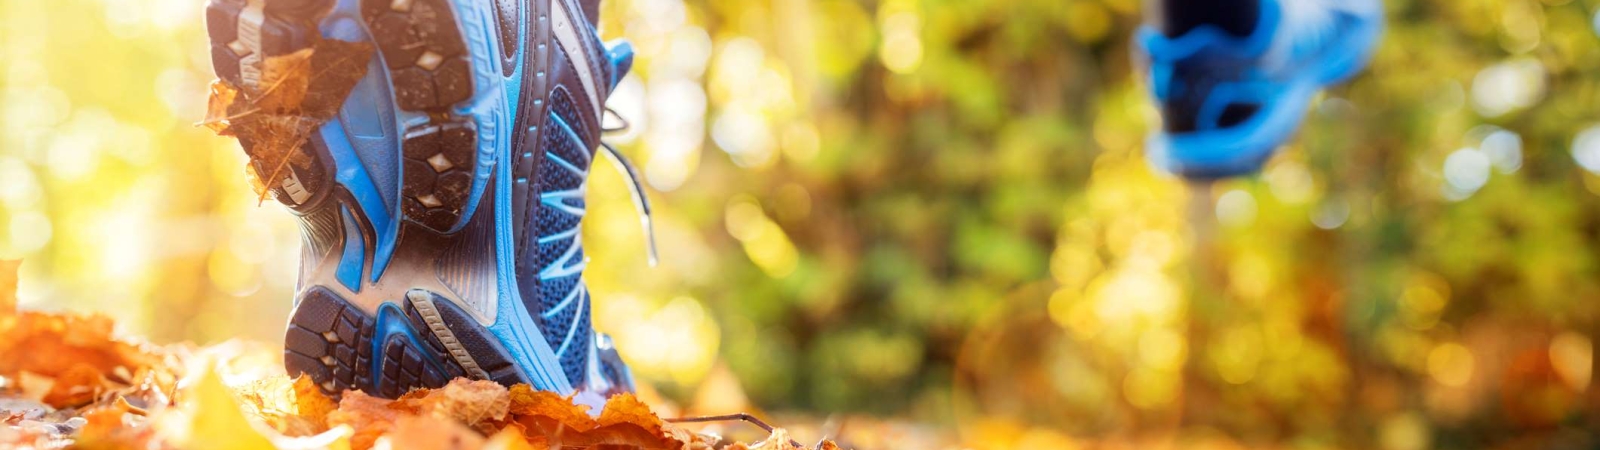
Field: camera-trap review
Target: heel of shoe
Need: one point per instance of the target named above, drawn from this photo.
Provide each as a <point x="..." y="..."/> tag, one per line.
<point x="423" y="342"/>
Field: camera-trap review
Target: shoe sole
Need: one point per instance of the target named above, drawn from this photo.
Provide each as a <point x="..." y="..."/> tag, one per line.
<point x="429" y="73"/>
<point x="424" y="343"/>
<point x="429" y="69"/>
<point x="424" y="340"/>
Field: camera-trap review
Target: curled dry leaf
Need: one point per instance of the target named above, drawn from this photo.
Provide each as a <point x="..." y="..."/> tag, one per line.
<point x="625" y="422"/>
<point x="76" y="387"/>
<point x="478" y="404"/>
<point x="369" y="416"/>
<point x="310" y="402"/>
<point x="217" y="106"/>
<point x="298" y="92"/>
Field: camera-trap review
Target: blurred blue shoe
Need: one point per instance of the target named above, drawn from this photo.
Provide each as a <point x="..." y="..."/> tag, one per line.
<point x="441" y="207"/>
<point x="1227" y="102"/>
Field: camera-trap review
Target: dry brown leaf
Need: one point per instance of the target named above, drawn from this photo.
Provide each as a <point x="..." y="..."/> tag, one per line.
<point x="528" y="402"/>
<point x="625" y="421"/>
<point x="217" y="107"/>
<point x="298" y="93"/>
<point x="334" y="69"/>
<point x="310" y="83"/>
<point x="285" y="80"/>
<point x="311" y="403"/>
<point x="50" y="345"/>
<point x="472" y="403"/>
<point x="117" y="425"/>
<point x="76" y="387"/>
<point x="369" y="416"/>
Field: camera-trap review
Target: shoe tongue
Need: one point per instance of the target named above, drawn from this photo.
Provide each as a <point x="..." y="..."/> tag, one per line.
<point x="591" y="10"/>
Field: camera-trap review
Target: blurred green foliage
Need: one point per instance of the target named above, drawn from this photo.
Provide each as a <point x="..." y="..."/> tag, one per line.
<point x="939" y="209"/>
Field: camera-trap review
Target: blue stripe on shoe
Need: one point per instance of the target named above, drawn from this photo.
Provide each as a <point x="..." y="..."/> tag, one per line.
<point x="352" y="174"/>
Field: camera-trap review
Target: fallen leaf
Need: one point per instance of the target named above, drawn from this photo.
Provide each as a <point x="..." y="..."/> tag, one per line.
<point x="470" y="402"/>
<point x="76" y="387"/>
<point x="432" y="433"/>
<point x="335" y="67"/>
<point x="298" y="92"/>
<point x="217" y="418"/>
<point x="625" y="421"/>
<point x="50" y="345"/>
<point x="285" y="79"/>
<point x="369" y="416"/>
<point x="218" y="105"/>
<point x="310" y="402"/>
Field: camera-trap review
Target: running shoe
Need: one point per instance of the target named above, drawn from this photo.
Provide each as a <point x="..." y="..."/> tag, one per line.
<point x="441" y="206"/>
<point x="1227" y="102"/>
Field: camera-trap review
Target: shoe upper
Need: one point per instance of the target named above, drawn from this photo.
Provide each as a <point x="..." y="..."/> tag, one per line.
<point x="550" y="163"/>
<point x="1227" y="101"/>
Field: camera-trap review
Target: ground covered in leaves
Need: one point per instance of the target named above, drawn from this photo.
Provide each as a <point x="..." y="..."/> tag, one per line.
<point x="70" y="381"/>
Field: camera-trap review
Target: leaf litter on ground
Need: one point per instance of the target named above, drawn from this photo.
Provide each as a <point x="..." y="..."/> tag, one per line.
<point x="70" y="381"/>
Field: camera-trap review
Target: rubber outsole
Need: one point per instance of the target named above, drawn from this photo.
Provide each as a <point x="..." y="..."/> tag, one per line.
<point x="421" y="43"/>
<point x="422" y="342"/>
<point x="422" y="47"/>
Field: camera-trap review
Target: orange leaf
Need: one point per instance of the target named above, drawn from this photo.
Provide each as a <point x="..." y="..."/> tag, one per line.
<point x="217" y="107"/>
<point x="369" y="416"/>
<point x="311" y="403"/>
<point x="77" y="387"/>
<point x="432" y="433"/>
<point x="467" y="401"/>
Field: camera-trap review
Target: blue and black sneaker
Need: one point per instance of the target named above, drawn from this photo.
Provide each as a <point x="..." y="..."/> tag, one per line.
<point x="441" y="206"/>
<point x="1228" y="101"/>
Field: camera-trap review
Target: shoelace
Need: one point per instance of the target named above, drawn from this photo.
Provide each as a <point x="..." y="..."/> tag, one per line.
<point x="640" y="199"/>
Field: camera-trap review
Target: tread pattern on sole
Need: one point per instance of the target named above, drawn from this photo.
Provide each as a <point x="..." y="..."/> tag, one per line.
<point x="242" y="38"/>
<point x="430" y="68"/>
<point x="335" y="343"/>
<point x="484" y="349"/>
<point x="328" y="340"/>
<point x="439" y="161"/>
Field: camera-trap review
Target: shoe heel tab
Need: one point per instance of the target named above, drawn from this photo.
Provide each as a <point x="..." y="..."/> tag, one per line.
<point x="620" y="55"/>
